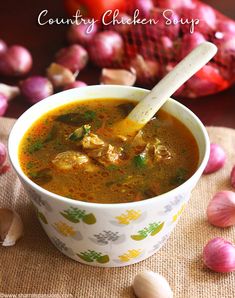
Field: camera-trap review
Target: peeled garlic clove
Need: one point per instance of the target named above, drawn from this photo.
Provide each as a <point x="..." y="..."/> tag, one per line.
<point x="216" y="160"/>
<point x="59" y="75"/>
<point x="232" y="177"/>
<point x="219" y="255"/>
<point x="11" y="226"/>
<point x="221" y="209"/>
<point x="118" y="77"/>
<point x="148" y="284"/>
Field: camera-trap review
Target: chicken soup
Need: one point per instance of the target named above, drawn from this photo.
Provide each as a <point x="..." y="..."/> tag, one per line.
<point x="73" y="152"/>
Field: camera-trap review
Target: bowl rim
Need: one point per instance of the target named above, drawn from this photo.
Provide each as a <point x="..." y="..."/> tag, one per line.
<point x="174" y="192"/>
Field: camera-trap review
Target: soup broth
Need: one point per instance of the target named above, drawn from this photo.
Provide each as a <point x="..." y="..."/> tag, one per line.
<point x="72" y="151"/>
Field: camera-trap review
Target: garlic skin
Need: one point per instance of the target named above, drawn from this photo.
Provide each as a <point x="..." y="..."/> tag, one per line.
<point x="221" y="209"/>
<point x="118" y="77"/>
<point x="232" y="177"/>
<point x="11" y="227"/>
<point x="219" y="255"/>
<point x="147" y="71"/>
<point x="148" y="284"/>
<point x="9" y="91"/>
<point x="59" y="75"/>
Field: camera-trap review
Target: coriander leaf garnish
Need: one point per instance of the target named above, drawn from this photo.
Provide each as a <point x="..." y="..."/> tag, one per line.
<point x="80" y="132"/>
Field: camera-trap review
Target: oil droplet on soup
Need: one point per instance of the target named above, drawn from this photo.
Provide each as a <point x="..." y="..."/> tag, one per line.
<point x="71" y="151"/>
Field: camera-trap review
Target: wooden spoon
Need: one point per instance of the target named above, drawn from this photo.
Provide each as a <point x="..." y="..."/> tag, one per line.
<point x="149" y="105"/>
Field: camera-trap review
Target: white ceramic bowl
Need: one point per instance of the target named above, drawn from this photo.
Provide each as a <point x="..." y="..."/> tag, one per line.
<point x="108" y="235"/>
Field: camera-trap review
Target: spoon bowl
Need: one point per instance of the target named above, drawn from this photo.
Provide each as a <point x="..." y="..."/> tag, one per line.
<point x="182" y="72"/>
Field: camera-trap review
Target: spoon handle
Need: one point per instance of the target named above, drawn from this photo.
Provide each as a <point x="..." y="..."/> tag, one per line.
<point x="192" y="63"/>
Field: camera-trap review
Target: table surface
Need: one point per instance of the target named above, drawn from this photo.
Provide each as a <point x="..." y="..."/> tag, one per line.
<point x="18" y="23"/>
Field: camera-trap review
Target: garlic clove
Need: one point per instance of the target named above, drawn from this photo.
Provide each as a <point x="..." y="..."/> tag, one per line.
<point x="219" y="255"/>
<point x="118" y="77"/>
<point x="149" y="284"/>
<point x="9" y="91"/>
<point x="59" y="75"/>
<point x="221" y="209"/>
<point x="147" y="71"/>
<point x="11" y="226"/>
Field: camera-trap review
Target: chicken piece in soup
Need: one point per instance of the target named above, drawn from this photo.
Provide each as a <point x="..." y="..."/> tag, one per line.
<point x="73" y="152"/>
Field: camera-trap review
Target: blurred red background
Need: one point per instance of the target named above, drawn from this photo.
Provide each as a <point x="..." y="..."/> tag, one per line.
<point x="18" y="25"/>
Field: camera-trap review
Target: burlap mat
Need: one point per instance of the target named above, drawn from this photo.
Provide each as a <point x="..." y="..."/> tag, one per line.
<point x="35" y="266"/>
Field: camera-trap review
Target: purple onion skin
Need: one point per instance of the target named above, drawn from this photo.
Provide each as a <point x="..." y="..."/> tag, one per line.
<point x="74" y="57"/>
<point x="106" y="48"/>
<point x="219" y="255"/>
<point x="221" y="209"/>
<point x="144" y="7"/>
<point x="216" y="160"/>
<point x="204" y="13"/>
<point x="3" y="46"/>
<point x="75" y="84"/>
<point x="3" y="104"/>
<point x="232" y="177"/>
<point x="190" y="41"/>
<point x="16" y="61"/>
<point x="36" y="88"/>
<point x="78" y="34"/>
<point x="122" y="28"/>
<point x="175" y="4"/>
<point x="3" y="154"/>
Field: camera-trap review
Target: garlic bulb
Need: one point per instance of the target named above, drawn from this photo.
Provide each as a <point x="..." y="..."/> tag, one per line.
<point x="219" y="255"/>
<point x="11" y="227"/>
<point x="9" y="91"/>
<point x="118" y="77"/>
<point x="149" y="284"/>
<point x="221" y="209"/>
<point x="59" y="75"/>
